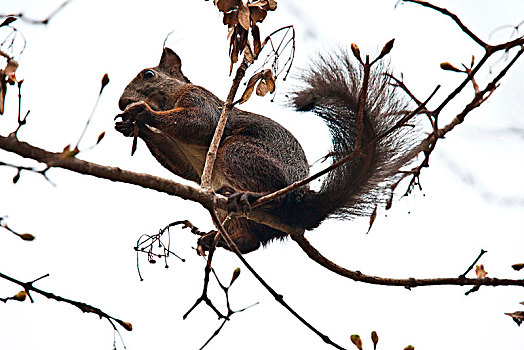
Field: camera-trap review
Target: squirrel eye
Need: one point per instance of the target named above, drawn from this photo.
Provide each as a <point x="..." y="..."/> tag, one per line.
<point x="148" y="74"/>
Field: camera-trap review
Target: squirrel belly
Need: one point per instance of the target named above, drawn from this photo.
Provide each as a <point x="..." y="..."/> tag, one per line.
<point x="177" y="120"/>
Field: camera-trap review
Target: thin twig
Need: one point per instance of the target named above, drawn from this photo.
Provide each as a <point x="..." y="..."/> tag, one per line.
<point x="482" y="252"/>
<point x="44" y="21"/>
<point x="28" y="287"/>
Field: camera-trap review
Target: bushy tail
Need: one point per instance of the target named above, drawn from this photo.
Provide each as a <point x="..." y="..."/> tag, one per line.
<point x="331" y="90"/>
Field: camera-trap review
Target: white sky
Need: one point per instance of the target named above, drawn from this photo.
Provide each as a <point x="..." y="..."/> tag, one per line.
<point x="86" y="227"/>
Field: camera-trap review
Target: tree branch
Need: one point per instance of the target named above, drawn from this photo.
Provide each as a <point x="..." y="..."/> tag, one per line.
<point x="28" y="287"/>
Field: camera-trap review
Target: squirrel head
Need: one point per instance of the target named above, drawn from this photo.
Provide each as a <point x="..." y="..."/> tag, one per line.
<point x="157" y="86"/>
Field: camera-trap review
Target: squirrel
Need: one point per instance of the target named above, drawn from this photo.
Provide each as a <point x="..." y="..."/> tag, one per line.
<point x="176" y="119"/>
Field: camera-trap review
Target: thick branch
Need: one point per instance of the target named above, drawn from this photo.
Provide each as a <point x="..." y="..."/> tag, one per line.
<point x="57" y="160"/>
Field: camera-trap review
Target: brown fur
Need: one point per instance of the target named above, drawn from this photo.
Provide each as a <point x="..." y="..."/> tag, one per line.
<point x="177" y="119"/>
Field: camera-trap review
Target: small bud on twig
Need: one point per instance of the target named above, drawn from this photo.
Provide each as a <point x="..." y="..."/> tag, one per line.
<point x="20" y="296"/>
<point x="356" y="52"/>
<point x="355" y="339"/>
<point x="450" y="67"/>
<point x="236" y="273"/>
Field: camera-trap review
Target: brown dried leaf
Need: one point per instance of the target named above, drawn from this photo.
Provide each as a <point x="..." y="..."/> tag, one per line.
<point x="258" y="14"/>
<point x="10" y="70"/>
<point x="255" y="32"/>
<point x="244" y="16"/>
<point x="262" y="88"/>
<point x="269" y="79"/>
<point x="250" y="87"/>
<point x="230" y="32"/>
<point x="227" y="5"/>
<point x="248" y="54"/>
<point x="271" y="5"/>
<point x="231" y="18"/>
<point x="517" y="316"/>
<point x="3" y="90"/>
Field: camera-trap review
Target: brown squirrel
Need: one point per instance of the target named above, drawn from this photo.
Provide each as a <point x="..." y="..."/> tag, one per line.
<point x="177" y="119"/>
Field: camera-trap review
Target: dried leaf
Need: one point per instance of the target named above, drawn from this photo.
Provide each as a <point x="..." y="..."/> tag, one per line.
<point x="271" y="5"/>
<point x="3" y="90"/>
<point x="248" y="54"/>
<point x="255" y="32"/>
<point x="231" y="18"/>
<point x="250" y="87"/>
<point x="269" y="79"/>
<point x="8" y="21"/>
<point x="244" y="16"/>
<point x="479" y="270"/>
<point x="517" y="267"/>
<point x="262" y="88"/>
<point x="227" y="5"/>
<point x="258" y="14"/>
<point x="230" y="32"/>
<point x="517" y="316"/>
<point x="10" y="70"/>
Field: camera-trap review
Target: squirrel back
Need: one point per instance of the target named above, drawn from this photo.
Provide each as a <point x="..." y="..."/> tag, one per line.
<point x="177" y="119"/>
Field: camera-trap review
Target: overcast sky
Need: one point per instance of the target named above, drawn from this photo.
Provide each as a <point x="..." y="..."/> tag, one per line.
<point x="86" y="228"/>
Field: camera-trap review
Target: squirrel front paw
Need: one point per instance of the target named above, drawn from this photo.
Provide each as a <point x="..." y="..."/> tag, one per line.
<point x="137" y="111"/>
<point x="126" y="128"/>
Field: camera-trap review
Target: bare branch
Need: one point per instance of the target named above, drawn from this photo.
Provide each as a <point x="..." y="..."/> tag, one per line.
<point x="44" y="21"/>
<point x="408" y="283"/>
<point x="28" y="287"/>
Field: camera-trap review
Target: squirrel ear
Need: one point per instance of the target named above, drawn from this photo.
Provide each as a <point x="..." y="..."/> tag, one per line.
<point x="170" y="63"/>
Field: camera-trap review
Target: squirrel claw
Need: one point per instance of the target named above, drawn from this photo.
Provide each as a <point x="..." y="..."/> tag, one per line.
<point x="241" y="202"/>
<point x="126" y="128"/>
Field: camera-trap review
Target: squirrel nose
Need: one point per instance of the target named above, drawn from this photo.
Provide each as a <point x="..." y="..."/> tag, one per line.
<point x="124" y="102"/>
